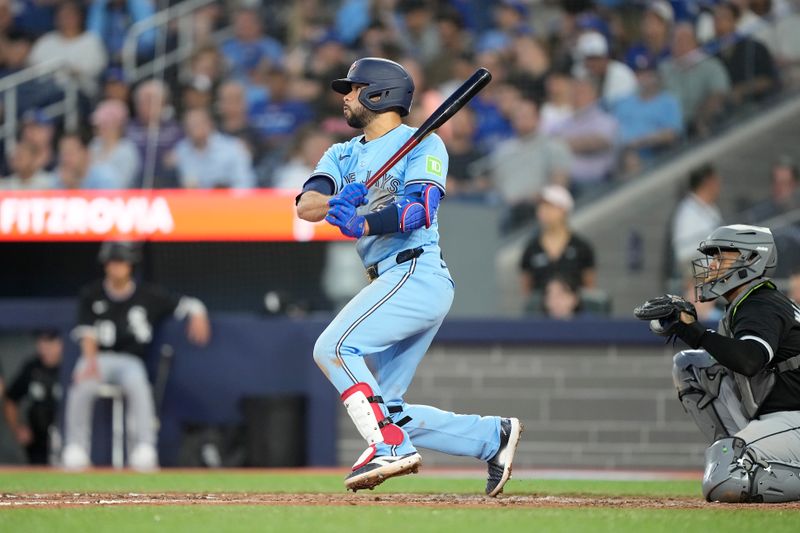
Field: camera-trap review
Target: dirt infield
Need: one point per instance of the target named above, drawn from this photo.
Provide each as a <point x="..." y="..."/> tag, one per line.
<point x="61" y="500"/>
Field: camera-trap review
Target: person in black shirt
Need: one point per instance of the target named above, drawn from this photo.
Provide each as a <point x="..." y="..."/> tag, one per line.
<point x="116" y="319"/>
<point x="554" y="250"/>
<point x="742" y="384"/>
<point x="37" y="384"/>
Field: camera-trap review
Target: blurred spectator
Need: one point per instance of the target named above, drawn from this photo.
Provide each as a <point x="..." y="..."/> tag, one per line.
<point x="655" y="30"/>
<point x="418" y="32"/>
<point x="352" y="19"/>
<point x="114" y="85"/>
<point x="39" y="130"/>
<point x="695" y="217"/>
<point x="650" y="120"/>
<point x="116" y="320"/>
<point x="72" y="46"/>
<point x="37" y="385"/>
<point x="522" y="166"/>
<point x="530" y="57"/>
<point x="464" y="175"/>
<point x="76" y="171"/>
<point x="27" y="172"/>
<point x="310" y="146"/>
<point x="784" y="193"/>
<point x="14" y="54"/>
<point x="16" y="47"/>
<point x="509" y="21"/>
<point x="155" y="134"/>
<point x="561" y="299"/>
<point x="201" y="82"/>
<point x="754" y="21"/>
<point x="111" y="19"/>
<point x="6" y="20"/>
<point x="554" y="250"/>
<point x="454" y="41"/>
<point x="557" y="107"/>
<point x="492" y="126"/>
<point x="208" y="159"/>
<point x="794" y="287"/>
<point x="110" y="147"/>
<point x="748" y="62"/>
<point x="591" y="135"/>
<point x="231" y="107"/>
<point x="616" y="80"/>
<point x="249" y="48"/>
<point x="699" y="81"/>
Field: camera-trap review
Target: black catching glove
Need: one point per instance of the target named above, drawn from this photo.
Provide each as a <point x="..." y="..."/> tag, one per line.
<point x="664" y="314"/>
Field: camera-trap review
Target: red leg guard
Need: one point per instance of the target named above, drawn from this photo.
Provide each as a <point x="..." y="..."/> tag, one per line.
<point x="391" y="433"/>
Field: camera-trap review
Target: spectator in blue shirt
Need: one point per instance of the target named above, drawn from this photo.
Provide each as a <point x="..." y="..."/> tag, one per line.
<point x="76" y="171"/>
<point x="208" y="159"/>
<point x="111" y="20"/>
<point x="280" y="116"/>
<point x="650" y="120"/>
<point x="249" y="48"/>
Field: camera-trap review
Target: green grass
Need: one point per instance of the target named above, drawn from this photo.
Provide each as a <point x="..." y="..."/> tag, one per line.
<point x="387" y="518"/>
<point x="221" y="481"/>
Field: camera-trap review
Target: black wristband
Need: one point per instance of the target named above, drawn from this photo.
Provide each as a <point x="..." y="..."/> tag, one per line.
<point x="384" y="221"/>
<point x="691" y="334"/>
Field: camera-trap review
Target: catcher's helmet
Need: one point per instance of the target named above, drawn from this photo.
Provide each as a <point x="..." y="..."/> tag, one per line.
<point x="119" y="251"/>
<point x="385" y="79"/>
<point x="757" y="258"/>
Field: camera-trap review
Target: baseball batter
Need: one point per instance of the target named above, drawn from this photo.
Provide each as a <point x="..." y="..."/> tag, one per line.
<point x="394" y="319"/>
<point x="741" y="385"/>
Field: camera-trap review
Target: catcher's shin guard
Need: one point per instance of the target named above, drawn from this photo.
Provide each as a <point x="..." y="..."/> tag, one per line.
<point x="697" y="390"/>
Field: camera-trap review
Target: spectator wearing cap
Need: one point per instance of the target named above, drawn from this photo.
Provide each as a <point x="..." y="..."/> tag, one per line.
<point x="37" y="387"/>
<point x="27" y="172"/>
<point x="554" y="249"/>
<point x="655" y="30"/>
<point x="76" y="171"/>
<point x="110" y="147"/>
<point x="650" y="120"/>
<point x="699" y="81"/>
<point x="614" y="79"/>
<point x="208" y="159"/>
<point x="749" y="64"/>
<point x="153" y="117"/>
<point x="39" y="130"/>
<point x="591" y="135"/>
<point x="81" y="52"/>
<point x="249" y="48"/>
<point x="520" y="167"/>
<point x="111" y="19"/>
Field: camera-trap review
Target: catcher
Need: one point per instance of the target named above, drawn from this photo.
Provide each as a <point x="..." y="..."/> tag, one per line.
<point x="741" y="385"/>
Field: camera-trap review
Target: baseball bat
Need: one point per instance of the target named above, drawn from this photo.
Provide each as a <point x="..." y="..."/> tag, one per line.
<point x="479" y="79"/>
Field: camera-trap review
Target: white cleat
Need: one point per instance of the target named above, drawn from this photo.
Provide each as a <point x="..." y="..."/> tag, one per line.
<point x="75" y="458"/>
<point x="144" y="458"/>
<point x="379" y="469"/>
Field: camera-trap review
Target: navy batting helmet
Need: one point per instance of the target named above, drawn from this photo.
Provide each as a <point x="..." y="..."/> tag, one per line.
<point x="119" y="251"/>
<point x="384" y="79"/>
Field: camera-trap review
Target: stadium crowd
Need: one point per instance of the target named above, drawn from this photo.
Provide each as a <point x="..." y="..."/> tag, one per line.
<point x="584" y="92"/>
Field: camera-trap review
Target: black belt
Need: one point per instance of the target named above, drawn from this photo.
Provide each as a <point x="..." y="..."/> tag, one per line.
<point x="402" y="257"/>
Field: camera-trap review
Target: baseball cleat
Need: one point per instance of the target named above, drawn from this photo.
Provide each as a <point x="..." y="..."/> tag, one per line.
<point x="379" y="469"/>
<point x="500" y="464"/>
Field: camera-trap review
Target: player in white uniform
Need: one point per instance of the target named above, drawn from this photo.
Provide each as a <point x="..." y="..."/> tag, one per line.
<point x="394" y="319"/>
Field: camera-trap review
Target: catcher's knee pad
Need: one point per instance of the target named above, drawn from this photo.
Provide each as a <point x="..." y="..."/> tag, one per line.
<point x="736" y="474"/>
<point x="724" y="479"/>
<point x="698" y="380"/>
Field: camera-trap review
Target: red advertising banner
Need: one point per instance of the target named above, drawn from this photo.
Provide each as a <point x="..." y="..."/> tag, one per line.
<point x="161" y="215"/>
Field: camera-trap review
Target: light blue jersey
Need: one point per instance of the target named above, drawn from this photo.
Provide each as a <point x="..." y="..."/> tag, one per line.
<point x="355" y="161"/>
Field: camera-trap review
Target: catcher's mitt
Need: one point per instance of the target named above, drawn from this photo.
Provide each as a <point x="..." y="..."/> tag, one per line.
<point x="664" y="313"/>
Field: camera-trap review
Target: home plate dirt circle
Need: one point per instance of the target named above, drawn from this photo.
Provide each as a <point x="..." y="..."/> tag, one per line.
<point x="28" y="500"/>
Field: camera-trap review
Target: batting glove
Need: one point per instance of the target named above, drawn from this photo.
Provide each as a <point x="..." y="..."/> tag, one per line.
<point x="342" y="214"/>
<point x="354" y="193"/>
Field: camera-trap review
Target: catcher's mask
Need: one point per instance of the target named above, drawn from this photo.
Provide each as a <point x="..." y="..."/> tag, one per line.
<point x="717" y="273"/>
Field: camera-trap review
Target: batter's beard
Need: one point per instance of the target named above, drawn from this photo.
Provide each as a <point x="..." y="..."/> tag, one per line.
<point x="361" y="118"/>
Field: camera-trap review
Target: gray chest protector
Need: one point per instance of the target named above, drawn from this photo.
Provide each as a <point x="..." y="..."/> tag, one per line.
<point x="753" y="390"/>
